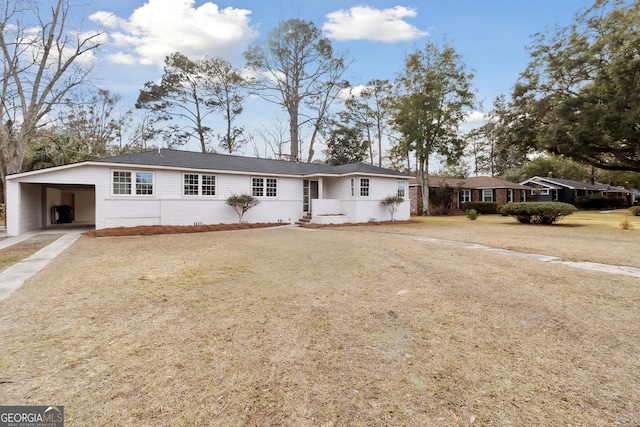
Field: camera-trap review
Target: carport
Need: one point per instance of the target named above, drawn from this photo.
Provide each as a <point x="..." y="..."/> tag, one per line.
<point x="45" y="205"/>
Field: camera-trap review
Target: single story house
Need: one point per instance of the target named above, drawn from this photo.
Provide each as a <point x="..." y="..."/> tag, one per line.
<point x="463" y="190"/>
<point x="552" y="189"/>
<point x="174" y="187"/>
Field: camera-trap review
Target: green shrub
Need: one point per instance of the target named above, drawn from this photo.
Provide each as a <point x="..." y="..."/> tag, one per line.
<point x="635" y="210"/>
<point x="392" y="203"/>
<point x="598" y="201"/>
<point x="537" y="212"/>
<point x="472" y="214"/>
<point x="482" y="207"/>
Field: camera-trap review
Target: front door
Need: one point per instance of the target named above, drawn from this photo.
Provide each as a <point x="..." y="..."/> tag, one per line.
<point x="309" y="192"/>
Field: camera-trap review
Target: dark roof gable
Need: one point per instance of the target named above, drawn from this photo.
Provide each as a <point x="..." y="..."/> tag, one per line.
<point x="224" y="162"/>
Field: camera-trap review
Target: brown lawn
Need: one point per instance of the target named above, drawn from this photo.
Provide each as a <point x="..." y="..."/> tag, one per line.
<point x="330" y="327"/>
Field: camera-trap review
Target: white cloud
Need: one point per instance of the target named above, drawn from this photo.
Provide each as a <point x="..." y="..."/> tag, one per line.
<point x="475" y="117"/>
<point x="161" y="27"/>
<point x="368" y="23"/>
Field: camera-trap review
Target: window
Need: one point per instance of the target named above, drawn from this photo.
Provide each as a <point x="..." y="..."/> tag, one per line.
<point x="523" y="195"/>
<point x="257" y="187"/>
<point x="402" y="185"/>
<point x="364" y="187"/>
<point x="272" y="187"/>
<point x="352" y="183"/>
<point x="208" y="185"/>
<point x="144" y="183"/>
<point x="190" y="184"/>
<point x="544" y="192"/>
<point x="199" y="185"/>
<point x="261" y="187"/>
<point x="509" y="195"/>
<point x="487" y="195"/>
<point x="122" y="183"/>
<point x="465" y="196"/>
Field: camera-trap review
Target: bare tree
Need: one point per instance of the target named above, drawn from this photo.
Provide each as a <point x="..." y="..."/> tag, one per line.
<point x="295" y="64"/>
<point x="41" y="65"/>
<point x="275" y="137"/>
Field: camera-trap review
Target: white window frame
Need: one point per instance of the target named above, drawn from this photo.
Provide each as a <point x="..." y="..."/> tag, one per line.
<point x="509" y="195"/>
<point x="140" y="183"/>
<point x="465" y="196"/>
<point x="523" y="195"/>
<point x="544" y="191"/>
<point x="402" y="188"/>
<point x="123" y="184"/>
<point x="197" y="187"/>
<point x="263" y="187"/>
<point x="486" y="192"/>
<point x="365" y="190"/>
<point x="209" y="189"/>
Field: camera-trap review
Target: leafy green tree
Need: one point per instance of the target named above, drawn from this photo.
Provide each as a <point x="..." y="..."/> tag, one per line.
<point x="95" y="123"/>
<point x="190" y="92"/>
<point x="180" y="96"/>
<point x="241" y="203"/>
<point x="492" y="145"/>
<point x="226" y="87"/>
<point x="53" y="149"/>
<point x="296" y="65"/>
<point x="434" y="94"/>
<point x="580" y="94"/>
<point x="346" y="145"/>
<point x="369" y="111"/>
<point x="41" y="67"/>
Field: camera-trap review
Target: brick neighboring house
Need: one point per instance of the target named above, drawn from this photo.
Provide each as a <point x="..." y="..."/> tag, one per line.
<point x="460" y="191"/>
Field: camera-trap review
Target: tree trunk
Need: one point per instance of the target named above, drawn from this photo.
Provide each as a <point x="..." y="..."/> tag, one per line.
<point x="423" y="174"/>
<point x="293" y="132"/>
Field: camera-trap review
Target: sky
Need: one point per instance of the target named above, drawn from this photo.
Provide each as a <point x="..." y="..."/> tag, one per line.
<point x="491" y="36"/>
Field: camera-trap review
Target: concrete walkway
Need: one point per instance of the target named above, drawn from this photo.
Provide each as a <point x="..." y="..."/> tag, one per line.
<point x="605" y="268"/>
<point x="13" y="277"/>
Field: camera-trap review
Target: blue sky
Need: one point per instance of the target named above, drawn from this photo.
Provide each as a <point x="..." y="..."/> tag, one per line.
<point x="491" y="35"/>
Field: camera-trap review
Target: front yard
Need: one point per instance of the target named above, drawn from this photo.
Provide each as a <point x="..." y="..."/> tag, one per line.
<point x="347" y="326"/>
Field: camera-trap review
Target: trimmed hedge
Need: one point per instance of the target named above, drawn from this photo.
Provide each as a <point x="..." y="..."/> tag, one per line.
<point x="482" y="207"/>
<point x="537" y="212"/>
<point x="635" y="210"/>
<point x="597" y="201"/>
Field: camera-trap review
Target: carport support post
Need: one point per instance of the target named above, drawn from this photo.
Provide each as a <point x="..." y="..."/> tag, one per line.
<point x="12" y="207"/>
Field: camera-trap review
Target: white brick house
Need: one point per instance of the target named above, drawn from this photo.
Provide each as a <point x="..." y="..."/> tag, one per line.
<point x="172" y="187"/>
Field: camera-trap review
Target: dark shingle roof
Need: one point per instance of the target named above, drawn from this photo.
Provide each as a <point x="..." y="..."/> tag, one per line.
<point x="557" y="182"/>
<point x="224" y="162"/>
<point x="474" y="182"/>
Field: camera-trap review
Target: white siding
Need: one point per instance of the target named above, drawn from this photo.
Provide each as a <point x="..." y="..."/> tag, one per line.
<point x="168" y="206"/>
<point x="31" y="213"/>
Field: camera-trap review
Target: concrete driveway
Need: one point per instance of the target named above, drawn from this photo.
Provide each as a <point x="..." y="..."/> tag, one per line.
<point x="13" y="277"/>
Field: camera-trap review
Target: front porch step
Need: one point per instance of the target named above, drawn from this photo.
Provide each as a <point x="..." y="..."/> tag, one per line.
<point x="455" y="212"/>
<point x="305" y="219"/>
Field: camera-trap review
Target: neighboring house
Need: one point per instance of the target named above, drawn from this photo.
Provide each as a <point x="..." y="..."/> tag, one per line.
<point x="172" y="187"/>
<point x="461" y="191"/>
<point x="630" y="197"/>
<point x="552" y="189"/>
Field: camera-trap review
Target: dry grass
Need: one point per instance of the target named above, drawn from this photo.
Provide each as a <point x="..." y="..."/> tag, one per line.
<point x="152" y="230"/>
<point x="325" y="327"/>
<point x="22" y="250"/>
